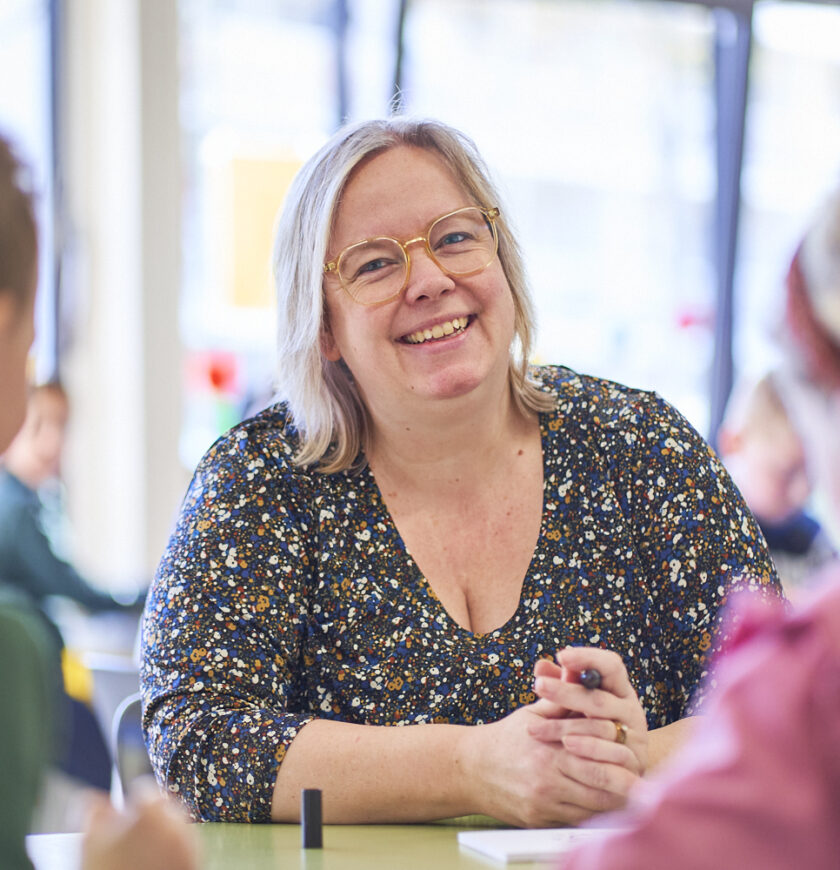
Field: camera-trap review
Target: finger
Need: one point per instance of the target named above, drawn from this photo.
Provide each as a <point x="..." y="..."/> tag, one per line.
<point x="548" y="668"/>
<point x="144" y="790"/>
<point x="598" y="745"/>
<point x="603" y="729"/>
<point x="98" y="813"/>
<point x="547" y="709"/>
<point x="593" y="786"/>
<point x="564" y="813"/>
<point x="596" y="703"/>
<point x="602" y="783"/>
<point x="558" y="730"/>
<point x="605" y="751"/>
<point x="543" y="815"/>
<point x="614" y="677"/>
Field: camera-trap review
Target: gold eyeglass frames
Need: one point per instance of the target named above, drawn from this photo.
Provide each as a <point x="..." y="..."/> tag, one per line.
<point x="462" y="242"/>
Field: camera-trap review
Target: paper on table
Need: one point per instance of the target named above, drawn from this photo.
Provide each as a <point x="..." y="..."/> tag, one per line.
<point x="541" y="844"/>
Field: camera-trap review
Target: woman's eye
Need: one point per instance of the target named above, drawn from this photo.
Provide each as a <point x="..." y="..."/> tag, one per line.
<point x="379" y="267"/>
<point x="373" y="266"/>
<point x="454" y="238"/>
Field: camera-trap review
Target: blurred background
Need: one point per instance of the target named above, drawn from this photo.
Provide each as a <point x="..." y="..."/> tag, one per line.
<point x="659" y="159"/>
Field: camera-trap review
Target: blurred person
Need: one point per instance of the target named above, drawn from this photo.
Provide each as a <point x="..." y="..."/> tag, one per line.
<point x="765" y="454"/>
<point x="29" y="667"/>
<point x="31" y="560"/>
<point x="759" y="784"/>
<point x="150" y="834"/>
<point x="812" y="388"/>
<point x="366" y="577"/>
<point x="29" y="672"/>
<point x="31" y="564"/>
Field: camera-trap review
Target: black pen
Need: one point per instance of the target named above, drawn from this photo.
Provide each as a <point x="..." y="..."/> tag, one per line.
<point x="590" y="678"/>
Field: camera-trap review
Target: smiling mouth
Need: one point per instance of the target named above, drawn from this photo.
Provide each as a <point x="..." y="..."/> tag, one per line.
<point x="438" y="331"/>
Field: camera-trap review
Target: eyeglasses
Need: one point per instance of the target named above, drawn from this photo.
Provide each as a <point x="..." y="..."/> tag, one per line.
<point x="461" y="242"/>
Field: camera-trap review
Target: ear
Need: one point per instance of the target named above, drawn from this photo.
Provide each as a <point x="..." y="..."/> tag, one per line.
<point x="329" y="348"/>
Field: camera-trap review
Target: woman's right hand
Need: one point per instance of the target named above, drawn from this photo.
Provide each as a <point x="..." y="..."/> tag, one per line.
<point x="151" y="833"/>
<point x="524" y="781"/>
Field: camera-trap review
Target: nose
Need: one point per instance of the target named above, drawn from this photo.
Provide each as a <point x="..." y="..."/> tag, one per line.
<point x="426" y="279"/>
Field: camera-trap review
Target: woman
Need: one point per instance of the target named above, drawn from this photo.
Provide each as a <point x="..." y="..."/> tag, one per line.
<point x="760" y="784"/>
<point x="421" y="523"/>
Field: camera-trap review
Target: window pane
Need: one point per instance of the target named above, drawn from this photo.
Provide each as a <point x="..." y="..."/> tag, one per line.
<point x="258" y="95"/>
<point x="25" y="120"/>
<point x="792" y="158"/>
<point x="606" y="154"/>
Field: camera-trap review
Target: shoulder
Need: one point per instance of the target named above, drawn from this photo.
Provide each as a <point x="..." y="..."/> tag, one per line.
<point x="605" y="405"/>
<point x="265" y="443"/>
<point x="257" y="455"/>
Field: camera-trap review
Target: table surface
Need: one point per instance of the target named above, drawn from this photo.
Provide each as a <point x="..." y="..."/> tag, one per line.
<point x="346" y="847"/>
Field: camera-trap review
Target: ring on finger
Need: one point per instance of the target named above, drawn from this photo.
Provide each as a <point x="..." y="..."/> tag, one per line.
<point x="620" y="731"/>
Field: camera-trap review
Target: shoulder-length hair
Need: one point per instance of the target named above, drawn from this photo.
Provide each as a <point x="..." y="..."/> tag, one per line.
<point x="322" y="399"/>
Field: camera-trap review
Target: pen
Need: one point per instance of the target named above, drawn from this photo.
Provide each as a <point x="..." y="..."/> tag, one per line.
<point x="590" y="678"/>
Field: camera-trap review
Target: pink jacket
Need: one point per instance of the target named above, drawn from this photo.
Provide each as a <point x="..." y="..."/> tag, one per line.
<point x="758" y="785"/>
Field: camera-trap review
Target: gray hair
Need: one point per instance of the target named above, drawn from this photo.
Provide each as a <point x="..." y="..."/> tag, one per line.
<point x="820" y="263"/>
<point x="321" y="397"/>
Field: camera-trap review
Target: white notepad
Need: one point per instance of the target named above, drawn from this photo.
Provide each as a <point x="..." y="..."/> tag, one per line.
<point x="541" y="844"/>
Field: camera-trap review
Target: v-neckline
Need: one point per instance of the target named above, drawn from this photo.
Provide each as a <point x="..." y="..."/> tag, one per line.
<point x="419" y="577"/>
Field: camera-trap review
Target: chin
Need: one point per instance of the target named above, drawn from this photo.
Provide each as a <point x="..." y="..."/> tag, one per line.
<point x="453" y="385"/>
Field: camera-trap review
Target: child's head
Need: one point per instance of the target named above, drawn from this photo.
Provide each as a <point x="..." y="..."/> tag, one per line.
<point x="18" y="278"/>
<point x="764" y="453"/>
<point x="34" y="455"/>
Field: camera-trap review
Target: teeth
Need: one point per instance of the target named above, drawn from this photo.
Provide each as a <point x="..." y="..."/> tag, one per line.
<point x="438" y="330"/>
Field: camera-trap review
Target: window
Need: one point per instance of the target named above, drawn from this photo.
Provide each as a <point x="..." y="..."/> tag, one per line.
<point x="26" y="119"/>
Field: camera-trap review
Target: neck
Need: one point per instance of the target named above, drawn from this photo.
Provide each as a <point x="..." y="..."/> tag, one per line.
<point x="449" y="442"/>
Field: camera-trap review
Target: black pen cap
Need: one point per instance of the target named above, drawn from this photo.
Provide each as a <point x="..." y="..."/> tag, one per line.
<point x="311" y="825"/>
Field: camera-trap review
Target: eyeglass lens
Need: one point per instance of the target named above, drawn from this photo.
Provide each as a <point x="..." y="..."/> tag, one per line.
<point x="461" y="244"/>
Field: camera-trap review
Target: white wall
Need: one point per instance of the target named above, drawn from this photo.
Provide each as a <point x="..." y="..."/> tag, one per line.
<point x="121" y="140"/>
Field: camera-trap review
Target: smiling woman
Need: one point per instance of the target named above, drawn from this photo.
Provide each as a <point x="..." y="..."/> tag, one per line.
<point x="427" y="532"/>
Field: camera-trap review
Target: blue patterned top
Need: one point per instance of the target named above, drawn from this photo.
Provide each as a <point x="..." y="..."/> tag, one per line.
<point x="286" y="594"/>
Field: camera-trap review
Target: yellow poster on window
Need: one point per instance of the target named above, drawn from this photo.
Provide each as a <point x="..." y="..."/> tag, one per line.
<point x="259" y="188"/>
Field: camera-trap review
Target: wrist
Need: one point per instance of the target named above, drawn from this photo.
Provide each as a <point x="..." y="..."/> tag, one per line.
<point x="467" y="758"/>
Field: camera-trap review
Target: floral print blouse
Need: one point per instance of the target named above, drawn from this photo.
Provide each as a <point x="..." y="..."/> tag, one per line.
<point x="286" y="594"/>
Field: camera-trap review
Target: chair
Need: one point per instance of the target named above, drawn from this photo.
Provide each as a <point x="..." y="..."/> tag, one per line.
<point x="131" y="760"/>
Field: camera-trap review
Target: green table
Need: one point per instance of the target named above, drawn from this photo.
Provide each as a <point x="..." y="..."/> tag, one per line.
<point x="346" y="847"/>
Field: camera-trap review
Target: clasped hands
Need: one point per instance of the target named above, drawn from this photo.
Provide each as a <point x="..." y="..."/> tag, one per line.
<point x="558" y="760"/>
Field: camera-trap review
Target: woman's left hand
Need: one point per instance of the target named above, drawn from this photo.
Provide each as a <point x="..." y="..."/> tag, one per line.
<point x="605" y="725"/>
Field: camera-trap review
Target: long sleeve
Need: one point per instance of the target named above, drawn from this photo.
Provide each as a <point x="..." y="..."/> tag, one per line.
<point x="286" y="594"/>
<point x="222" y="634"/>
<point x="659" y="530"/>
<point x="693" y="534"/>
<point x="759" y="785"/>
<point x="28" y="560"/>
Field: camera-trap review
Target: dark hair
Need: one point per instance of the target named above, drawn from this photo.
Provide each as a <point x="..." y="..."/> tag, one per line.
<point x="18" y="237"/>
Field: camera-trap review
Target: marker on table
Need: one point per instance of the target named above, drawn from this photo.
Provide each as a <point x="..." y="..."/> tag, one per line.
<point x="590" y="678"/>
<point x="310" y="819"/>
